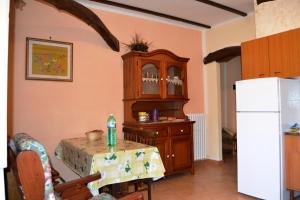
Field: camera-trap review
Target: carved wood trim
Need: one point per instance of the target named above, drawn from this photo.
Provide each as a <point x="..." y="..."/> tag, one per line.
<point x="90" y="18"/>
<point x="155" y="52"/>
<point x="223" y="7"/>
<point x="223" y="55"/>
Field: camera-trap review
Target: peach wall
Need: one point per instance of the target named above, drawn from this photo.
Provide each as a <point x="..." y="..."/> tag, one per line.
<point x="54" y="110"/>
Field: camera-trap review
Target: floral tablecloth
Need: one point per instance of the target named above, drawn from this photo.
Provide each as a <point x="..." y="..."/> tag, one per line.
<point x="124" y="162"/>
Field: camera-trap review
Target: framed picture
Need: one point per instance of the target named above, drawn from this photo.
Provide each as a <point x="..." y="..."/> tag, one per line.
<point x="49" y="60"/>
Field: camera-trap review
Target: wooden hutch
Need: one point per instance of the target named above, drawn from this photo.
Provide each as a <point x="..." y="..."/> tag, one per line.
<point x="158" y="80"/>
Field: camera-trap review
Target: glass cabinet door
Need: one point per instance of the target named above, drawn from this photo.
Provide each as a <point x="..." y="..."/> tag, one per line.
<point x="175" y="81"/>
<point x="150" y="79"/>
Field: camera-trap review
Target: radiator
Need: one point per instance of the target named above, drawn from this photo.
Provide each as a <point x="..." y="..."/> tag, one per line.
<point x="199" y="135"/>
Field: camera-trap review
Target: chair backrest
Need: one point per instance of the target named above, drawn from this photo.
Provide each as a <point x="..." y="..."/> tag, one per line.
<point x="147" y="137"/>
<point x="140" y="136"/>
<point x="12" y="157"/>
<point x="32" y="161"/>
<point x="31" y="175"/>
<point x="129" y="134"/>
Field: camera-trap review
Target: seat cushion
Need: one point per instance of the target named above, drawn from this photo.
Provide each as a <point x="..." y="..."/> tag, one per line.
<point x="25" y="142"/>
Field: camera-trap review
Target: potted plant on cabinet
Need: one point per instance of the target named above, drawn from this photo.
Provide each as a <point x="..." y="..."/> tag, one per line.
<point x="137" y="43"/>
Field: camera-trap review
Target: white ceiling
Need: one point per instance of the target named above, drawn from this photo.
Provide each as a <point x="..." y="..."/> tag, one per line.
<point x="194" y="10"/>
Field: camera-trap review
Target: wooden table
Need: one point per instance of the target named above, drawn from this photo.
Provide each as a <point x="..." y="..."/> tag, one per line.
<point x="124" y="162"/>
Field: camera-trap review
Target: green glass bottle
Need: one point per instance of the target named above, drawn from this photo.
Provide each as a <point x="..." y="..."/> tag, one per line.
<point x="111" y="137"/>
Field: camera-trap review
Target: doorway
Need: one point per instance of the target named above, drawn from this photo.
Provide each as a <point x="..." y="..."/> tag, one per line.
<point x="230" y="72"/>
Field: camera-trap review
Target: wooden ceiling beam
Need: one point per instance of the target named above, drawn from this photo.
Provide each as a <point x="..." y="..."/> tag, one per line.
<point x="223" y="7"/>
<point x="223" y="55"/>
<point x="262" y="1"/>
<point x="90" y="18"/>
<point x="150" y="12"/>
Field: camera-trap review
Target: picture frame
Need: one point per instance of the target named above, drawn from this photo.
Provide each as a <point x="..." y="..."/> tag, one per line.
<point x="49" y="60"/>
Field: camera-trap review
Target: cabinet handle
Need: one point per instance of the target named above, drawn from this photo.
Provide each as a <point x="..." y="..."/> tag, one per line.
<point x="277" y="72"/>
<point x="161" y="79"/>
<point x="168" y="156"/>
<point x="156" y="133"/>
<point x="181" y="131"/>
<point x="173" y="156"/>
<point x="261" y="75"/>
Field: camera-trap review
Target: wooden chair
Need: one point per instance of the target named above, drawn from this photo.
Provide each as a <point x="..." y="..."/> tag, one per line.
<point x="144" y="137"/>
<point x="35" y="183"/>
<point x="140" y="136"/>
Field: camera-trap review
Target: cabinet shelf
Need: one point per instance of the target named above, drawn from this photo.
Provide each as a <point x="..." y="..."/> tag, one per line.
<point x="150" y="80"/>
<point x="175" y="81"/>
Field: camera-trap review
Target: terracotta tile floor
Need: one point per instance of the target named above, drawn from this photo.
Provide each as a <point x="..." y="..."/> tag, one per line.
<point x="211" y="181"/>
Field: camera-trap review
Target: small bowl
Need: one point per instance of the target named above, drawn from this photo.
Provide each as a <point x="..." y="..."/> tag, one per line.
<point x="94" y="135"/>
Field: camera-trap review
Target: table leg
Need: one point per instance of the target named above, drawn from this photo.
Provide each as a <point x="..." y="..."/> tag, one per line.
<point x="149" y="182"/>
<point x="119" y="189"/>
<point x="291" y="194"/>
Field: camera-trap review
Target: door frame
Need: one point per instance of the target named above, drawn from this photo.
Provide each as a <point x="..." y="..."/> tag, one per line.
<point x="4" y="27"/>
<point x="212" y="93"/>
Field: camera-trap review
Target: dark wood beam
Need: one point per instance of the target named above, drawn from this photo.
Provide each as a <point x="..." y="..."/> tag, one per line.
<point x="223" y="55"/>
<point x="262" y="1"/>
<point x="150" y="12"/>
<point x="86" y="15"/>
<point x="223" y="7"/>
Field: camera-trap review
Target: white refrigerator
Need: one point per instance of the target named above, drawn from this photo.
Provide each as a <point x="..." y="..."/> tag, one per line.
<point x="266" y="107"/>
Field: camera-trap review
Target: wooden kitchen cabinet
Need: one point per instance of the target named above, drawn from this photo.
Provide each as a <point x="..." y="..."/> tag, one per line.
<point x="284" y="50"/>
<point x="255" y="58"/>
<point x="175" y="144"/>
<point x="273" y="56"/>
<point x="159" y="74"/>
<point x="292" y="162"/>
<point x="158" y="80"/>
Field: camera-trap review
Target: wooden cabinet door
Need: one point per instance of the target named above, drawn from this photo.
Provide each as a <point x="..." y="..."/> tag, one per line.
<point x="175" y="80"/>
<point x="292" y="162"/>
<point x="149" y="78"/>
<point x="255" y="58"/>
<point x="284" y="51"/>
<point x="163" y="146"/>
<point x="278" y="47"/>
<point x="181" y="152"/>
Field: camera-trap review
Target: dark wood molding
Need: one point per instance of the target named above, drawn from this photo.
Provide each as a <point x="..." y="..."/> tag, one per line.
<point x="223" y="55"/>
<point x="90" y="18"/>
<point x="262" y="1"/>
<point x="150" y="12"/>
<point x="153" y="53"/>
<point x="223" y="7"/>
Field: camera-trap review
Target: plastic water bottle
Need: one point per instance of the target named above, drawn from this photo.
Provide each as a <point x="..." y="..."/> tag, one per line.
<point x="155" y="115"/>
<point x="111" y="138"/>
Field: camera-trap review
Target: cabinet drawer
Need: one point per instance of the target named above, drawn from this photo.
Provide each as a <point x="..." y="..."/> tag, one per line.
<point x="180" y="130"/>
<point x="160" y="131"/>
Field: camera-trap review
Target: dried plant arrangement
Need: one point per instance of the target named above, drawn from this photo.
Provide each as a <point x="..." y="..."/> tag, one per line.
<point x="137" y="43"/>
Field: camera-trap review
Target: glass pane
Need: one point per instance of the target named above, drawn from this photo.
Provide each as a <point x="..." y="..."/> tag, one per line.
<point x="174" y="81"/>
<point x="150" y="79"/>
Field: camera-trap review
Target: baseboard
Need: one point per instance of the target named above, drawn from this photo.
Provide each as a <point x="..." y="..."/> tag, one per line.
<point x="214" y="158"/>
<point x="209" y="161"/>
